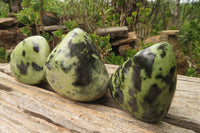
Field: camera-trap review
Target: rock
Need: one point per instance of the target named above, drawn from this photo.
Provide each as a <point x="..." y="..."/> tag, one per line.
<point x="50" y="18"/>
<point x="123" y="48"/>
<point x="144" y="85"/>
<point x="7" y="22"/>
<point x="131" y="37"/>
<point x="7" y="36"/>
<point x="11" y="37"/>
<point x="156" y="39"/>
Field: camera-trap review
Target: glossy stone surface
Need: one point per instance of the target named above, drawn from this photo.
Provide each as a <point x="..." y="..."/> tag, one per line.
<point x="145" y="84"/>
<point x="28" y="58"/>
<point x="75" y="70"/>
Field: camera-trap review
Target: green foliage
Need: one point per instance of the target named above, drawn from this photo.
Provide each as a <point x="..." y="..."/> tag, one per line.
<point x="129" y="53"/>
<point x="189" y="38"/>
<point x="71" y="24"/>
<point x="37" y="6"/>
<point x="91" y="14"/>
<point x="103" y="42"/>
<point x="58" y="33"/>
<point x="3" y="54"/>
<point x="190" y="42"/>
<point x="27" y="16"/>
<point x="192" y="72"/>
<point x="146" y="45"/>
<point x="113" y="59"/>
<point x="4" y="9"/>
<point x="56" y="6"/>
<point x="26" y="31"/>
<point x="47" y="36"/>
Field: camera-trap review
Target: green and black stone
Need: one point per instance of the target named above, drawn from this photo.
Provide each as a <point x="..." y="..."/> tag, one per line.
<point x="76" y="68"/>
<point x="28" y="59"/>
<point x="145" y="84"/>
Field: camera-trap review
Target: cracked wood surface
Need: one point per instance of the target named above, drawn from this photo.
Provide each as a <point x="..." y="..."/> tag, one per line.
<point x="27" y="108"/>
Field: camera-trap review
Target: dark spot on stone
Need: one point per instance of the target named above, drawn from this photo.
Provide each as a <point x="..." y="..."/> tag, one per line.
<point x="136" y="78"/>
<point x="36" y="67"/>
<point x="172" y="70"/>
<point x="74" y="63"/>
<point x="55" y="50"/>
<point x="65" y="69"/>
<point x="132" y="92"/>
<point x="74" y="34"/>
<point x="163" y="54"/>
<point x="56" y="62"/>
<point x="70" y="43"/>
<point x="73" y="94"/>
<point x="23" y="53"/>
<point x="133" y="101"/>
<point x="59" y="51"/>
<point x="160" y="69"/>
<point x="68" y="92"/>
<point x="51" y="56"/>
<point x="172" y="87"/>
<point x="168" y="79"/>
<point x="86" y="62"/>
<point x="162" y="46"/>
<point x="48" y="65"/>
<point x="125" y="70"/>
<point x="143" y="61"/>
<point x="144" y="78"/>
<point x="119" y="95"/>
<point x="152" y="116"/>
<point x="160" y="76"/>
<point x="23" y="68"/>
<point x="153" y="93"/>
<point x="85" y="37"/>
<point x="36" y="47"/>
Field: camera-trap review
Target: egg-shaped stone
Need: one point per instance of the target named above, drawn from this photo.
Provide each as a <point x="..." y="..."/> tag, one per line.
<point x="75" y="70"/>
<point x="144" y="85"/>
<point x="28" y="59"/>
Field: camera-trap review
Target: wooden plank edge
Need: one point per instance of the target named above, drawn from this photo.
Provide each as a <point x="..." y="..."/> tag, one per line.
<point x="36" y="108"/>
<point x="112" y="68"/>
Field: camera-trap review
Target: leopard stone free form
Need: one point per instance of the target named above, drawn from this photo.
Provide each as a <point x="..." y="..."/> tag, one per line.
<point x="145" y="84"/>
<point x="75" y="70"/>
<point x="28" y="59"/>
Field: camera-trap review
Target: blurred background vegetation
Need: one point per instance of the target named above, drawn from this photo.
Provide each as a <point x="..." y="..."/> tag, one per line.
<point x="145" y="17"/>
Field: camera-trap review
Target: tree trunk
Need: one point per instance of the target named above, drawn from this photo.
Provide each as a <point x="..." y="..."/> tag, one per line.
<point x="18" y="5"/>
<point x="176" y="15"/>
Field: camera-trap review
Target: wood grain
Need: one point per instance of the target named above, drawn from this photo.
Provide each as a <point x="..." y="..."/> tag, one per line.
<point x="114" y="32"/>
<point x="27" y="108"/>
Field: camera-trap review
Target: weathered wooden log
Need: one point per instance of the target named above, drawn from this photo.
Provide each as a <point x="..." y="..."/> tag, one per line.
<point x="114" y="32"/>
<point x="53" y="27"/>
<point x="169" y="32"/>
<point x="27" y="108"/>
